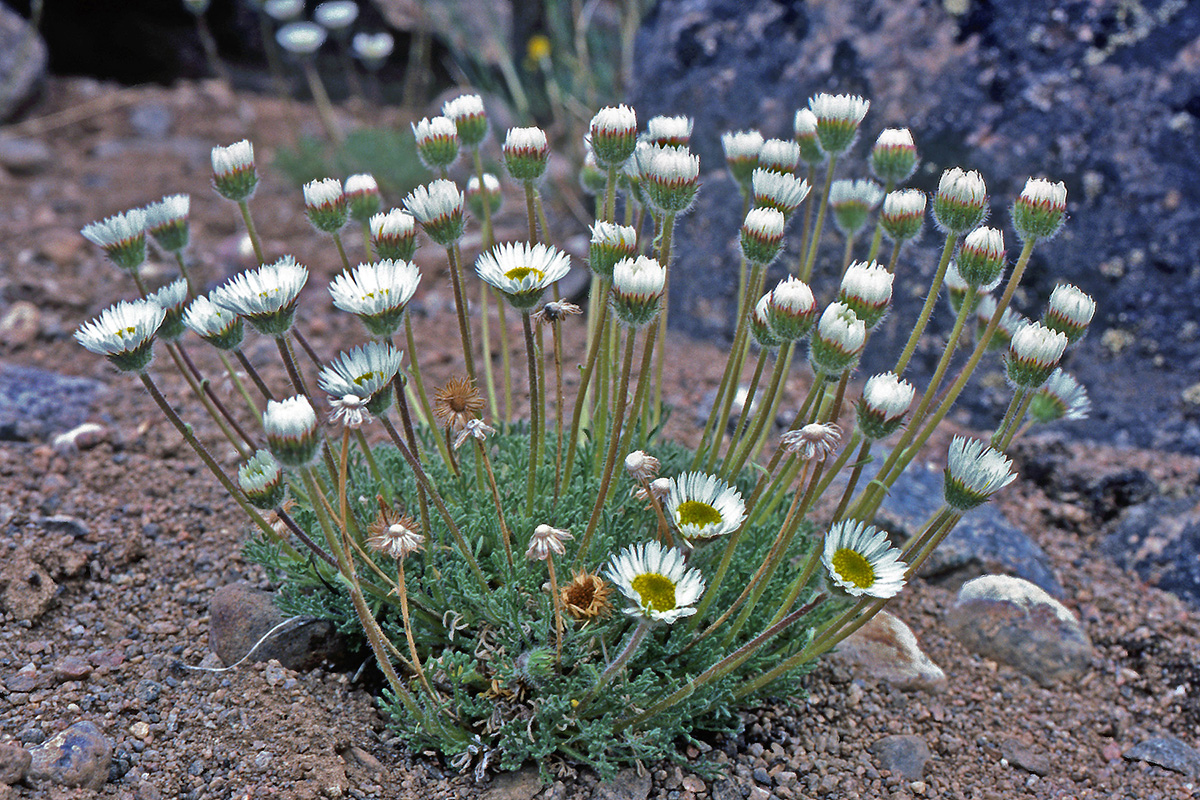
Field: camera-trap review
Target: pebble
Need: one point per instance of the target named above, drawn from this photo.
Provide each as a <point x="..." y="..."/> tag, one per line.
<point x="20" y="325"/>
<point x="886" y="650"/>
<point x="903" y="755"/>
<point x="240" y="615"/>
<point x="72" y="668"/>
<point x="152" y="120"/>
<point x="81" y="437"/>
<point x="78" y="756"/>
<point x="1012" y="621"/>
<point x="627" y="784"/>
<point x="1168" y="753"/>
<point x="28" y="588"/>
<point x="1023" y="756"/>
<point x="147" y="691"/>
<point x="14" y="763"/>
<point x="24" y="156"/>
<point x="140" y="729"/>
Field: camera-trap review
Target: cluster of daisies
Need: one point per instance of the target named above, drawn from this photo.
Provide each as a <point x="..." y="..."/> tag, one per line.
<point x="700" y="508"/>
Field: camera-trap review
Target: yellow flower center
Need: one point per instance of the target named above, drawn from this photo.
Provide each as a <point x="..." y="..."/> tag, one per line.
<point x="852" y="567"/>
<point x="693" y="512"/>
<point x="538" y="48"/>
<point x="657" y="591"/>
<point x="520" y="273"/>
<point x="361" y="379"/>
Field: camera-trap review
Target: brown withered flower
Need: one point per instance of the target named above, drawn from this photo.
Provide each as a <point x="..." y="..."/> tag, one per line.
<point x="586" y="597"/>
<point x="456" y="403"/>
<point x="394" y="534"/>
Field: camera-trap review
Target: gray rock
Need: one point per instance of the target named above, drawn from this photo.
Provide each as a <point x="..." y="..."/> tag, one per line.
<point x="152" y="120"/>
<point x="1014" y="622"/>
<point x="14" y="763"/>
<point x="22" y="64"/>
<point x="26" y="589"/>
<point x="523" y="784"/>
<point x="886" y="650"/>
<point x="240" y="616"/>
<point x="36" y="404"/>
<point x="902" y="754"/>
<point x="1160" y="540"/>
<point x="79" y="756"/>
<point x="24" y="156"/>
<point x="1000" y="89"/>
<point x="628" y="784"/>
<point x="1168" y="753"/>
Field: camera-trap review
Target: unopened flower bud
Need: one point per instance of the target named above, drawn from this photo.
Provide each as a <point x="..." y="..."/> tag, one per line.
<point x="762" y="235"/>
<point x="852" y="202"/>
<point x="610" y="243"/>
<point x="167" y="222"/>
<point x="291" y="429"/>
<point x="867" y="290"/>
<point x="325" y="204"/>
<point x="903" y="214"/>
<point x="301" y="39"/>
<point x="171" y="299"/>
<point x="1010" y="322"/>
<point x="373" y="49"/>
<point x="894" y="156"/>
<point x="805" y="128"/>
<point x="669" y="131"/>
<point x="488" y="192"/>
<point x="637" y="288"/>
<point x="981" y="258"/>
<point x="614" y="135"/>
<point x="760" y="325"/>
<point x="974" y="472"/>
<point x="1069" y="311"/>
<point x="1033" y="353"/>
<point x="775" y="190"/>
<point x="394" y="235"/>
<point x="670" y="177"/>
<point x="526" y="153"/>
<point x="438" y="206"/>
<point x="741" y="155"/>
<point x="261" y="480"/>
<point x="1040" y="210"/>
<point x="792" y="310"/>
<point x="838" y="117"/>
<point x="437" y="142"/>
<point x="362" y="197"/>
<point x="122" y="237"/>
<point x="234" y="176"/>
<point x="885" y="399"/>
<point x="837" y="342"/>
<point x="779" y="155"/>
<point x="469" y="117"/>
<point x="961" y="202"/>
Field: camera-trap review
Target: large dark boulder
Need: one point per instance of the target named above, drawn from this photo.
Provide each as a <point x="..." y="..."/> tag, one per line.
<point x="22" y="64"/>
<point x="1105" y="101"/>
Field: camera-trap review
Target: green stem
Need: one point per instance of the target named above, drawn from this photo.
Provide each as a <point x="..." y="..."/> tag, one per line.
<point x="618" y="663"/>
<point x="321" y="100"/>
<point x="460" y="306"/>
<point x="585" y="378"/>
<point x="664" y="259"/>
<point x="814" y="241"/>
<point x="739" y="457"/>
<point x="930" y="300"/>
<point x="341" y="248"/>
<point x="251" y="231"/>
<point x="534" y="411"/>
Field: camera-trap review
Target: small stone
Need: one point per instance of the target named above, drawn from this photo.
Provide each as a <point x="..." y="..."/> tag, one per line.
<point x="72" y="668"/>
<point x="21" y="324"/>
<point x="274" y="673"/>
<point x="24" y="156"/>
<point x="28" y="590"/>
<point x="147" y="691"/>
<point x="81" y="437"/>
<point x="14" y="763"/>
<point x="628" y="784"/>
<point x="140" y="729"/>
<point x="1168" y="753"/>
<point x="1022" y="756"/>
<point x="78" y="756"/>
<point x="886" y="650"/>
<point x="240" y="618"/>
<point x="26" y="680"/>
<point x="903" y="755"/>
<point x="693" y="784"/>
<point x="523" y="784"/>
<point x="152" y="121"/>
<point x="62" y="523"/>
<point x="1016" y="623"/>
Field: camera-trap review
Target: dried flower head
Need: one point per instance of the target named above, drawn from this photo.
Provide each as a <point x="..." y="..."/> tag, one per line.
<point x="457" y="403"/>
<point x="475" y="429"/>
<point x="556" y="311"/>
<point x="586" y="597"/>
<point x="394" y="535"/>
<point x="861" y="561"/>
<point x="641" y="466"/>
<point x="546" y="541"/>
<point x="813" y="442"/>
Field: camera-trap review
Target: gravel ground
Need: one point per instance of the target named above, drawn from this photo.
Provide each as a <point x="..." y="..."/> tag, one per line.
<point x="141" y="537"/>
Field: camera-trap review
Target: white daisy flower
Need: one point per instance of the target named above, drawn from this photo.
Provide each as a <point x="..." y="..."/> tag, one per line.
<point x="122" y="237"/>
<point x="1061" y="397"/>
<point x="657" y="580"/>
<point x="265" y="297"/>
<point x="861" y="561"/>
<point x="637" y="288"/>
<point x="777" y="190"/>
<point x="218" y="326"/>
<point x="741" y="154"/>
<point x="377" y="293"/>
<point x="867" y="290"/>
<point x="124" y="334"/>
<point x="838" y="117"/>
<point x="885" y="399"/>
<point x="325" y="204"/>
<point x="363" y="197"/>
<point x="167" y="221"/>
<point x="522" y="271"/>
<point x="670" y="176"/>
<point x="365" y="372"/>
<point x="301" y="38"/>
<point x="1033" y="353"/>
<point x="469" y="117"/>
<point x="373" y="49"/>
<point x="701" y="506"/>
<point x="669" y="131"/>
<point x="438" y="206"/>
<point x="335" y="15"/>
<point x="171" y="299"/>
<point x="234" y="176"/>
<point x="974" y="472"/>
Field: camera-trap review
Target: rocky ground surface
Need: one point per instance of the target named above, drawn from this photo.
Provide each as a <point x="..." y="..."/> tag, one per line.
<point x="114" y="541"/>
